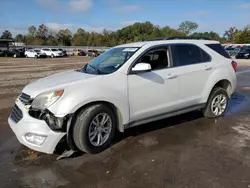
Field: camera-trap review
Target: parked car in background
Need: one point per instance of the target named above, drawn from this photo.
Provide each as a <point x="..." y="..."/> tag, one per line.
<point x="27" y="48"/>
<point x="52" y="52"/>
<point x="127" y="86"/>
<point x="93" y="53"/>
<point x="2" y="53"/>
<point x="231" y="50"/>
<point x="35" y="53"/>
<point x="243" y="54"/>
<point x="64" y="52"/>
<point x="78" y="52"/>
<point x="14" y="53"/>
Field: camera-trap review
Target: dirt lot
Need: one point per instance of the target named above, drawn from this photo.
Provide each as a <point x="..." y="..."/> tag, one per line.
<point x="184" y="151"/>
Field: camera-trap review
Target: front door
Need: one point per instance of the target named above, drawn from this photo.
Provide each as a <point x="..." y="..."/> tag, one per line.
<point x="153" y="93"/>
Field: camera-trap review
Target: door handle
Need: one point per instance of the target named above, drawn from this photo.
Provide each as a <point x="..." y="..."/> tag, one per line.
<point x="171" y="76"/>
<point x="208" y="67"/>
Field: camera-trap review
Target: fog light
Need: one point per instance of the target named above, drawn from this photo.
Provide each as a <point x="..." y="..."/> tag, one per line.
<point x="35" y="138"/>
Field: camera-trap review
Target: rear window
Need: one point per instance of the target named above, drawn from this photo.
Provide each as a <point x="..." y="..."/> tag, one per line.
<point x="185" y="54"/>
<point x="219" y="49"/>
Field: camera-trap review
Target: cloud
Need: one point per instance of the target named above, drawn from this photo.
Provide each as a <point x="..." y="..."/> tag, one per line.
<point x="244" y="6"/>
<point x="50" y="4"/>
<point x="127" y="23"/>
<point x="80" y="5"/>
<point x="17" y="29"/>
<point x="127" y="9"/>
<point x="197" y="14"/>
<point x="71" y="5"/>
<point x="57" y="26"/>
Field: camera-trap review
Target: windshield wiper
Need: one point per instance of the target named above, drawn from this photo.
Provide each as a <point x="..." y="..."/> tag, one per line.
<point x="95" y="68"/>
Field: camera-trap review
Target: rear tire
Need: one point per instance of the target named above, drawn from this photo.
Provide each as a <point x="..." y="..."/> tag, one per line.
<point x="217" y="103"/>
<point x="52" y="56"/>
<point x="90" y="137"/>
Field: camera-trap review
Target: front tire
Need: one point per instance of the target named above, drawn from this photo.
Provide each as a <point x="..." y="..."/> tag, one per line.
<point x="52" y="56"/>
<point x="94" y="129"/>
<point x="217" y="103"/>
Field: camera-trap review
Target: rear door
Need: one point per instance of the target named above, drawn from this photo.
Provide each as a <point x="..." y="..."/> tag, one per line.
<point x="194" y="69"/>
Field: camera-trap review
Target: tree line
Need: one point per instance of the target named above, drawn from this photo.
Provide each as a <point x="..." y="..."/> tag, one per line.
<point x="42" y="35"/>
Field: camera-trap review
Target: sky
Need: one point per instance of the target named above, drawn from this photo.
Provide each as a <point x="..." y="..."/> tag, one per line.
<point x="95" y="15"/>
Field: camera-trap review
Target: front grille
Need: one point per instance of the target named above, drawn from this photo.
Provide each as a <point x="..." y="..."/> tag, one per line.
<point x="16" y="114"/>
<point x="25" y="99"/>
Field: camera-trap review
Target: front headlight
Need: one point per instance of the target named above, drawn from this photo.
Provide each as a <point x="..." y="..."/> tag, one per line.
<point x="44" y="100"/>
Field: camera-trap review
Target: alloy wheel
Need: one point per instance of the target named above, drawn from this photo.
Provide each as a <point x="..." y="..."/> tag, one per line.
<point x="100" y="129"/>
<point x="219" y="104"/>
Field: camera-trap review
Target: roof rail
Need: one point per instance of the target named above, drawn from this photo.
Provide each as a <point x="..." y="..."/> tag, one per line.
<point x="160" y="38"/>
<point x="188" y="38"/>
<point x="179" y="38"/>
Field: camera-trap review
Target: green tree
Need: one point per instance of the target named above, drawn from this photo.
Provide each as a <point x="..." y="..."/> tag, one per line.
<point x="170" y="32"/>
<point x="32" y="30"/>
<point x="231" y="33"/>
<point x="188" y="27"/>
<point x="64" y="37"/>
<point x="242" y="37"/>
<point x="210" y="35"/>
<point x="80" y="37"/>
<point x="6" y="35"/>
<point x="20" y="38"/>
<point x="136" y="32"/>
<point x="42" y="31"/>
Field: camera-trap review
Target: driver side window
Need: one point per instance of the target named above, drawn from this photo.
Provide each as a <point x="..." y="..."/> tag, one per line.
<point x="158" y="58"/>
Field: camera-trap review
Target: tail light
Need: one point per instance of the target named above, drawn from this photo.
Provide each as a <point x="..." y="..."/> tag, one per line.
<point x="234" y="65"/>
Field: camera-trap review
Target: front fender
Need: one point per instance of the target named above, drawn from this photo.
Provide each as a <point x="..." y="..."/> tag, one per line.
<point x="72" y="101"/>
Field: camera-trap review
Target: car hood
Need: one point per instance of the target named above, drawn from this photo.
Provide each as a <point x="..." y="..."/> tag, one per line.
<point x="57" y="81"/>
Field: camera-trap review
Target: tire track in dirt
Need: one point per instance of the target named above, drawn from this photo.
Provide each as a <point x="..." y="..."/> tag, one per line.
<point x="14" y="75"/>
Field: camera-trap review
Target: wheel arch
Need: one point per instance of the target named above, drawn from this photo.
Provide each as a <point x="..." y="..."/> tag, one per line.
<point x="223" y="83"/>
<point x="71" y="121"/>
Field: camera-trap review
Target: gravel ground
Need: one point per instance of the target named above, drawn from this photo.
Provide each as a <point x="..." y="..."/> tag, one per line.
<point x="183" y="151"/>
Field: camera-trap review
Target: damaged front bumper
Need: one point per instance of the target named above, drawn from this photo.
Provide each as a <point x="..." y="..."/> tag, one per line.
<point x="34" y="133"/>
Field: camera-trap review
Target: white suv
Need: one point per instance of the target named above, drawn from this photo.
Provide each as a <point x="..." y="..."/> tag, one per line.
<point x="126" y="86"/>
<point x="52" y="52"/>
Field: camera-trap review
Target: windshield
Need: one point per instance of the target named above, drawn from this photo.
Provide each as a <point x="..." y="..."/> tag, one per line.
<point x="54" y="50"/>
<point x="109" y="61"/>
<point x="37" y="50"/>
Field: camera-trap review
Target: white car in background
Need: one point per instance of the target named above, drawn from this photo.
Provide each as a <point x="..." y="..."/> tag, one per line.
<point x="35" y="53"/>
<point x="52" y="52"/>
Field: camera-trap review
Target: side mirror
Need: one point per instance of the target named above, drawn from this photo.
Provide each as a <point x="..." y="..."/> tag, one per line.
<point x="141" y="67"/>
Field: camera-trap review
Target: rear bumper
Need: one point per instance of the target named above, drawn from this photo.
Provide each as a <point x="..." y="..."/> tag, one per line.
<point x="37" y="127"/>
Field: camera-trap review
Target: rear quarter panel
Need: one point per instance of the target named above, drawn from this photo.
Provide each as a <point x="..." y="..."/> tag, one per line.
<point x="222" y="70"/>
